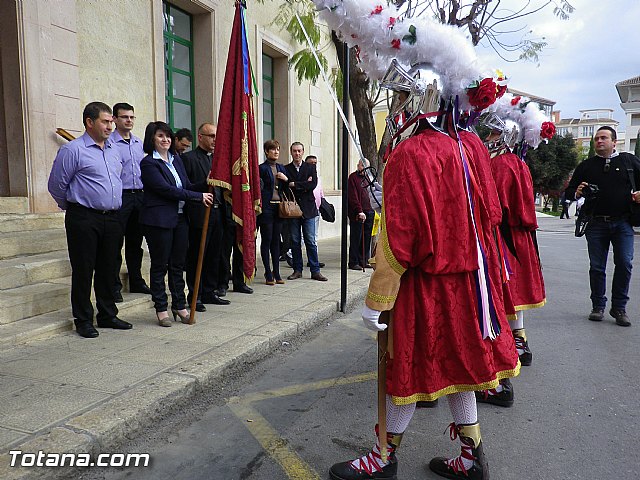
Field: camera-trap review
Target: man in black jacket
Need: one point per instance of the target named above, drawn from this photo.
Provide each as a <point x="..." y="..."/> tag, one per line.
<point x="197" y="163"/>
<point x="613" y="173"/>
<point x="302" y="180"/>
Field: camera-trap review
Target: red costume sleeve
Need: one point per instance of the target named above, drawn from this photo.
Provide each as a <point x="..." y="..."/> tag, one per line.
<point x="515" y="189"/>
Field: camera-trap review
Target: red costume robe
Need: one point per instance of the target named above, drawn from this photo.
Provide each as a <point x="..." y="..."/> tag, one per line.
<point x="425" y="264"/>
<point x="525" y="288"/>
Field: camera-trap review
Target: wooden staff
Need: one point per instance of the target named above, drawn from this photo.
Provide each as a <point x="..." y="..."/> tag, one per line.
<point x="196" y="280"/>
<point x="383" y="338"/>
<point x="364" y="257"/>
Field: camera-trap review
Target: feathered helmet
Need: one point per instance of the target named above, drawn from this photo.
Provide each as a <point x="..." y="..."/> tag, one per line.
<point x="384" y="33"/>
<point x="506" y="133"/>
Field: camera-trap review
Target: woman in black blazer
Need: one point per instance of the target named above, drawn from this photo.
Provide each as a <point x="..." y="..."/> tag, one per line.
<point x="166" y="189"/>
<point x="272" y="182"/>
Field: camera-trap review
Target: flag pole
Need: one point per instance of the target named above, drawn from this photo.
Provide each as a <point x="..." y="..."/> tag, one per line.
<point x="196" y="280"/>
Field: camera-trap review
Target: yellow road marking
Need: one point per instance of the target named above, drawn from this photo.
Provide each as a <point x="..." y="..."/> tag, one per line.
<point x="306" y="387"/>
<point x="276" y="446"/>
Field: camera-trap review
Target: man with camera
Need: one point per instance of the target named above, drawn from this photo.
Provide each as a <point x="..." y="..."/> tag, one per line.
<point x="608" y="181"/>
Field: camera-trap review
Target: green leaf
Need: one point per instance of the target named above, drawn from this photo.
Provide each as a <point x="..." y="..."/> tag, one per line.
<point x="306" y="66"/>
<point x="308" y="20"/>
<point x="411" y="38"/>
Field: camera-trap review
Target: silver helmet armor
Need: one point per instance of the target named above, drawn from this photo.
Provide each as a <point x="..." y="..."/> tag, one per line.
<point x="509" y="131"/>
<point x="419" y="96"/>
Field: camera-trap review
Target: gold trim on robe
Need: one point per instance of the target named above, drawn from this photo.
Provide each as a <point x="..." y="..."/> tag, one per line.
<point x="385" y="280"/>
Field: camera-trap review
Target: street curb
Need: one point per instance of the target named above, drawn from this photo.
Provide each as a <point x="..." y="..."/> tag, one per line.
<point x="106" y="427"/>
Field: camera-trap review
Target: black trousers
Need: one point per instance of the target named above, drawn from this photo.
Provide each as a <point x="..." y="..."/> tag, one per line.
<point x="270" y="225"/>
<point x="228" y="269"/>
<point x="167" y="250"/>
<point x="212" y="254"/>
<point x="132" y="238"/>
<point x="358" y="229"/>
<point x="93" y="239"/>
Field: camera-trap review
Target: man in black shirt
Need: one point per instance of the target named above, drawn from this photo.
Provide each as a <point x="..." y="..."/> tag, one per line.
<point x="611" y="172"/>
<point x="197" y="163"/>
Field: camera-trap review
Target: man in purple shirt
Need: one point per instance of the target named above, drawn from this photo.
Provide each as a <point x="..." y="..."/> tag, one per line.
<point x="85" y="181"/>
<point x="130" y="149"/>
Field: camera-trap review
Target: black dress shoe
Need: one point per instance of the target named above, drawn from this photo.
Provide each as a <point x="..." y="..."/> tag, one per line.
<point x="221" y="292"/>
<point x="356" y="267"/>
<point x="115" y="323"/>
<point x="118" y="297"/>
<point x="86" y="330"/>
<point x="214" y="299"/>
<point x="295" y="276"/>
<point x="200" y="307"/>
<point x="144" y="288"/>
<point x="243" y="289"/>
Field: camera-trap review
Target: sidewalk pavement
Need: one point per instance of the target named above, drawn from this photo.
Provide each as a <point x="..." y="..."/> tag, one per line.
<point x="75" y="395"/>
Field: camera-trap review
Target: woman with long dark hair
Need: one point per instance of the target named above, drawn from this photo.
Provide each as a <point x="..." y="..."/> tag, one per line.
<point x="166" y="189"/>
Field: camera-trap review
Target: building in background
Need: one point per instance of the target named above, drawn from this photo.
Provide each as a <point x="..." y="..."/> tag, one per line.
<point x="582" y="129"/>
<point x="166" y="58"/>
<point x="629" y="93"/>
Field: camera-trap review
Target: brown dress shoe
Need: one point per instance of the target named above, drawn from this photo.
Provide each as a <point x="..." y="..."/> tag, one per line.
<point x="295" y="276"/>
<point x="318" y="276"/>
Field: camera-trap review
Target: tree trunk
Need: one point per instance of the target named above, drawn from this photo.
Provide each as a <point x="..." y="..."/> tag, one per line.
<point x="361" y="104"/>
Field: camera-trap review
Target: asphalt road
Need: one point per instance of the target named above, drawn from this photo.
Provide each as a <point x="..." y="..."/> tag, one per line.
<point x="313" y="403"/>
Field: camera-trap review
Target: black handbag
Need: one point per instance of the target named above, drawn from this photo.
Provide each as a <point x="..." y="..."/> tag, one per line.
<point x="327" y="211"/>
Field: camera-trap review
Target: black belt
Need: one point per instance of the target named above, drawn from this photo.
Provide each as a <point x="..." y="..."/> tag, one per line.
<point x="93" y="210"/>
<point x="610" y="218"/>
<point x="132" y="190"/>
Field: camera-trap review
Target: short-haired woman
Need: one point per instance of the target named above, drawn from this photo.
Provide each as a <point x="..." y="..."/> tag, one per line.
<point x="166" y="189"/>
<point x="273" y="180"/>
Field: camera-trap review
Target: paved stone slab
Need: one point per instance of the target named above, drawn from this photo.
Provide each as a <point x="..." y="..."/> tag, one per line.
<point x="110" y="375"/>
<point x="110" y="342"/>
<point x="208" y="367"/>
<point x="11" y="383"/>
<point x="9" y="436"/>
<point x="114" y="421"/>
<point x="209" y="333"/>
<point x="277" y="332"/>
<point x="40" y="405"/>
<point x="165" y="351"/>
<point x="57" y="440"/>
<point x="44" y="363"/>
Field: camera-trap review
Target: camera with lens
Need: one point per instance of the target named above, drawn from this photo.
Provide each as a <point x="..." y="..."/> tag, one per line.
<point x="590" y="191"/>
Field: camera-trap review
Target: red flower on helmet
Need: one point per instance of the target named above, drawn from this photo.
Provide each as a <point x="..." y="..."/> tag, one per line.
<point x="377" y="10"/>
<point x="395" y="43"/>
<point x="516" y="100"/>
<point x="392" y="22"/>
<point x="548" y="130"/>
<point x="500" y="90"/>
<point x="482" y="94"/>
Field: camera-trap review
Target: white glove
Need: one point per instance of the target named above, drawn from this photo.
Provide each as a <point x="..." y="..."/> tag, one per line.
<point x="370" y="319"/>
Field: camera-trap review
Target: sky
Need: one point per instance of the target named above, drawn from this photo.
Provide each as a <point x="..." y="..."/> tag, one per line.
<point x="597" y="47"/>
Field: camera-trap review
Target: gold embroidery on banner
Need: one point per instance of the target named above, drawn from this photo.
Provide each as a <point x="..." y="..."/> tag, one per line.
<point x="430" y="397"/>
<point x="242" y="163"/>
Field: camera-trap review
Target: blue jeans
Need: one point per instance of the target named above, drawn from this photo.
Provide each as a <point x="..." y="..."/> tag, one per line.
<point x="599" y="235"/>
<point x="306" y="227"/>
